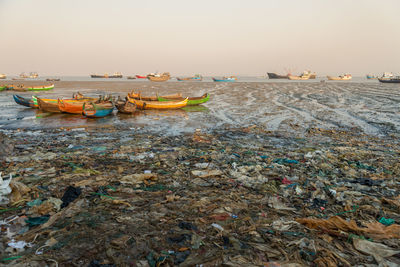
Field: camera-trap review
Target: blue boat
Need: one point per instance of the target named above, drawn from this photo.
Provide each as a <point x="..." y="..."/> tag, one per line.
<point x="23" y="101"/>
<point x="226" y="79"/>
<point x="100" y="110"/>
<point x="369" y="77"/>
<point x="196" y="77"/>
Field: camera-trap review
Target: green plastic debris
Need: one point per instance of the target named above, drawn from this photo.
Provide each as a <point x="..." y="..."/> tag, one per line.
<point x="386" y="222"/>
<point x="36" y="202"/>
<point x="34" y="221"/>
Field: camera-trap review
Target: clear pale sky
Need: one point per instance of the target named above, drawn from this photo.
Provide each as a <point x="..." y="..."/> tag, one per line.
<point x="219" y="37"/>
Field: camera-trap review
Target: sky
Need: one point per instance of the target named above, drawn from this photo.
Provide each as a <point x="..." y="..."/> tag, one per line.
<point x="210" y="37"/>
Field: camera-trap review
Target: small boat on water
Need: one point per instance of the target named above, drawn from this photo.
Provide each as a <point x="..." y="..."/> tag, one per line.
<point x="131" y="77"/>
<point x="53" y="79"/>
<point x="106" y="75"/>
<point x="140" y="77"/>
<point x="196" y="77"/>
<point x="125" y="106"/>
<point x="345" y="77"/>
<point x="48" y="106"/>
<point x="156" y="77"/>
<point x="226" y="79"/>
<point x="24" y="101"/>
<point x="390" y="80"/>
<point x="192" y="101"/>
<point x="140" y="104"/>
<point x="99" y="110"/>
<point x="371" y="77"/>
<point x="3" y="76"/>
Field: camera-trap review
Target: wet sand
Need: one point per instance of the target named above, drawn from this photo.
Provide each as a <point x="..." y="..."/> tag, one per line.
<point x="290" y="107"/>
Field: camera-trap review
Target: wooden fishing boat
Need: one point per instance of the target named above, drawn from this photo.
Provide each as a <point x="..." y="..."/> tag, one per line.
<point x="53" y="79"/>
<point x="23" y="88"/>
<point x="140" y="77"/>
<point x="99" y="110"/>
<point x="23" y="101"/>
<point x="196" y="77"/>
<point x="151" y="98"/>
<point x="390" y="80"/>
<point x="106" y="75"/>
<point x="48" y="106"/>
<point x="192" y="101"/>
<point x="226" y="79"/>
<point x="159" y="77"/>
<point x="140" y="104"/>
<point x="125" y="106"/>
<point x="345" y="77"/>
<point x="131" y="77"/>
<point x="70" y="107"/>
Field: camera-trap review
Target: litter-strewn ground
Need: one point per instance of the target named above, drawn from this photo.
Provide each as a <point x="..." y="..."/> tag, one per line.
<point x="235" y="197"/>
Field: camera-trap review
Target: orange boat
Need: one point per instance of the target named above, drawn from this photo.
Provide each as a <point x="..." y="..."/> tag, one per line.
<point x="47" y="106"/>
<point x="158" y="104"/>
<point x="73" y="107"/>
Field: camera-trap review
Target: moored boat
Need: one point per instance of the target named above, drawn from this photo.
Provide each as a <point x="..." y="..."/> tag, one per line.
<point x="125" y="106"/>
<point x="344" y="77"/>
<point x="156" y="77"/>
<point x="272" y="75"/>
<point x="72" y="107"/>
<point x="226" y="79"/>
<point x="53" y="79"/>
<point x="23" y="101"/>
<point x="151" y="98"/>
<point x="99" y="110"/>
<point x="191" y="100"/>
<point x="21" y="87"/>
<point x="196" y="77"/>
<point x="131" y="77"/>
<point x="371" y="77"/>
<point x="106" y="75"/>
<point x="390" y="80"/>
<point x="158" y="104"/>
<point x="48" y="106"/>
<point x="140" y="77"/>
<point x="3" y="76"/>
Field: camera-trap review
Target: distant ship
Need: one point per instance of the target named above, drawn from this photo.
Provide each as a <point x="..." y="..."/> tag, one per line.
<point x="32" y="75"/>
<point x="277" y="76"/>
<point x="106" y="75"/>
<point x="371" y="77"/>
<point x="3" y="76"/>
<point x="344" y="77"/>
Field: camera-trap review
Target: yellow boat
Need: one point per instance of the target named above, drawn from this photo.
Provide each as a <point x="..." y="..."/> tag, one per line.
<point x="151" y="98"/>
<point x="140" y="104"/>
<point x="345" y="77"/>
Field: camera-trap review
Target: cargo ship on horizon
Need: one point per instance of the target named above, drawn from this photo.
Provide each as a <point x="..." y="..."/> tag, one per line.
<point x="106" y="75"/>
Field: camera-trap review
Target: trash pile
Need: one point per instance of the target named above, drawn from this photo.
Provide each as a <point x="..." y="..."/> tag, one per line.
<point x="117" y="196"/>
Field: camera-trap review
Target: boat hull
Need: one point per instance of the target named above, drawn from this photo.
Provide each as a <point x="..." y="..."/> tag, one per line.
<point x="298" y="78"/>
<point x="192" y="101"/>
<point x="393" y="80"/>
<point x="224" y="80"/>
<point x="126" y="107"/>
<point x="158" y="79"/>
<point x="23" y="101"/>
<point x="140" y="104"/>
<point x="140" y="77"/>
<point x="333" y="78"/>
<point x="44" y="88"/>
<point x="276" y="76"/>
<point x="48" y="106"/>
<point x="92" y="110"/>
